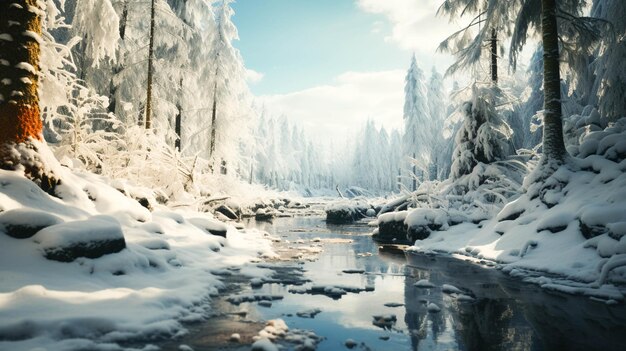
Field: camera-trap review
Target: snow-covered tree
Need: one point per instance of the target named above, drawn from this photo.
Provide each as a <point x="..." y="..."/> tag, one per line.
<point x="417" y="139"/>
<point x="483" y="137"/>
<point x="437" y="107"/>
<point x="227" y="85"/>
<point x="556" y="20"/>
<point x="609" y="66"/>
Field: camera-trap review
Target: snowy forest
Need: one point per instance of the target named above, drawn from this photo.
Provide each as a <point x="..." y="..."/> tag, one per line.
<point x="144" y="186"/>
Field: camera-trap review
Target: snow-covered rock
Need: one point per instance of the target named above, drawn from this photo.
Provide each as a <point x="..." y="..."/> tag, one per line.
<point x="91" y="238"/>
<point x="23" y="223"/>
<point x="422" y="221"/>
<point x="392" y="228"/>
<point x="346" y="211"/>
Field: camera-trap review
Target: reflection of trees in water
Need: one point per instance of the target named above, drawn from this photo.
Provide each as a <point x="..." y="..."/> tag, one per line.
<point x="490" y="324"/>
<point x="417" y="317"/>
<point x="565" y="322"/>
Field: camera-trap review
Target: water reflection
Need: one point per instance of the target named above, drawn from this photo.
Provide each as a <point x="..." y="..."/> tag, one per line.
<point x="497" y="313"/>
<point x="509" y="315"/>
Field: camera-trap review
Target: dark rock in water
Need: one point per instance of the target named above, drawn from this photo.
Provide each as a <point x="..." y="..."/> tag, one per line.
<point x="24" y="223"/>
<point x="227" y="211"/>
<point x="385" y="321"/>
<point x="393" y="304"/>
<point x="308" y="313"/>
<point x="350" y="343"/>
<point x="344" y="213"/>
<point x="353" y="271"/>
<point x="590" y="231"/>
<point x="264" y="215"/>
<point x="392" y="231"/>
<point x="91" y="238"/>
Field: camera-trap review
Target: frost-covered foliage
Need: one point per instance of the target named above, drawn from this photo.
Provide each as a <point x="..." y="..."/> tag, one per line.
<point x="483" y="137"/>
<point x="609" y="66"/>
<point x="530" y="131"/>
<point x="93" y="90"/>
<point x="517" y="21"/>
<point x="100" y="38"/>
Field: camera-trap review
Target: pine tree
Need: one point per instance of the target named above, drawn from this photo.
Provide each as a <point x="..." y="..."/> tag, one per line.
<point x="542" y="14"/>
<point x="417" y="139"/>
<point x="436" y="106"/>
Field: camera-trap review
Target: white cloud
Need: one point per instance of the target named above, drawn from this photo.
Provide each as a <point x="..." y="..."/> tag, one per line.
<point x="335" y="111"/>
<point x="253" y="76"/>
<point x="415" y="27"/>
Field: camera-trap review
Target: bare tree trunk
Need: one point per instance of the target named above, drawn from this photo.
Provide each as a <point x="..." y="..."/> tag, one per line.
<point x="179" y="119"/>
<point x="414" y="174"/>
<point x="494" y="56"/>
<point x="117" y="68"/>
<point x="213" y="118"/>
<point x="150" y="69"/>
<point x="20" y="117"/>
<point x="553" y="144"/>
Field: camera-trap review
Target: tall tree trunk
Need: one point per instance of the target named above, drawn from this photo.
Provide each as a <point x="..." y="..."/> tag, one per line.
<point x="179" y="118"/>
<point x="20" y="118"/>
<point x="117" y="68"/>
<point x="494" y="56"/>
<point x="150" y="69"/>
<point x="553" y="144"/>
<point x="213" y="118"/>
<point x="414" y="174"/>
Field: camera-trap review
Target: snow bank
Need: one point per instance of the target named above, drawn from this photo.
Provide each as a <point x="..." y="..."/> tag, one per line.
<point x="571" y="225"/>
<point x="145" y="291"/>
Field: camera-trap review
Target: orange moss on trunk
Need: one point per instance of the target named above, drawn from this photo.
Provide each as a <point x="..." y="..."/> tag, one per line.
<point x="19" y="122"/>
<point x="20" y="117"/>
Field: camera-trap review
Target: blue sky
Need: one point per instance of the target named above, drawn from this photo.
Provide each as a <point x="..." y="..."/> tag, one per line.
<point x="330" y="65"/>
<point x="297" y="44"/>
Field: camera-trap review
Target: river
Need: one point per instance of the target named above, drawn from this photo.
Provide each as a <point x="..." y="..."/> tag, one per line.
<point x="376" y="303"/>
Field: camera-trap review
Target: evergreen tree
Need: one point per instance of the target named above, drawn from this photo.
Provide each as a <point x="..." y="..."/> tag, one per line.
<point x="436" y="106"/>
<point x="417" y="139"/>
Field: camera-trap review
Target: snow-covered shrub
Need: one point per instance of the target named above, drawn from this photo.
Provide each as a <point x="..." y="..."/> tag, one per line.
<point x="484" y="135"/>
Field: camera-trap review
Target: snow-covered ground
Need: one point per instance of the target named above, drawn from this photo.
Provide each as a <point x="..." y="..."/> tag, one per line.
<point x="158" y="279"/>
<point x="566" y="232"/>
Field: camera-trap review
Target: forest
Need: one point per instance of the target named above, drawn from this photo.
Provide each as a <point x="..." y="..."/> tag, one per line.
<point x="142" y="180"/>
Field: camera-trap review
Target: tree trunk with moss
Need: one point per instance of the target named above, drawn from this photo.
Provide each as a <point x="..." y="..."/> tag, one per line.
<point x="20" y="118"/>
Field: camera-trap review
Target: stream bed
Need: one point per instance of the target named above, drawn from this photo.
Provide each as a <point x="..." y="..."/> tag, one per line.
<point x="343" y="286"/>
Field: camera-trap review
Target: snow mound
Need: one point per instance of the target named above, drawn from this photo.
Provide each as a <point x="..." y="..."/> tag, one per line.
<point x="91" y="238"/>
<point x="23" y="223"/>
<point x="157" y="279"/>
